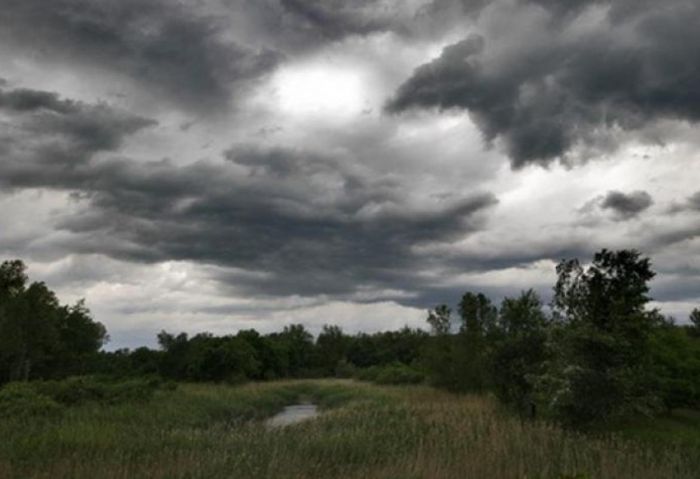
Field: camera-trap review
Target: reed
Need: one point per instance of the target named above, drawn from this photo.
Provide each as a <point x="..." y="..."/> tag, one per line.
<point x="366" y="431"/>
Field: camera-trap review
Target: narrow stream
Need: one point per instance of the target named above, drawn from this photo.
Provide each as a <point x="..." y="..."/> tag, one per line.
<point x="292" y="415"/>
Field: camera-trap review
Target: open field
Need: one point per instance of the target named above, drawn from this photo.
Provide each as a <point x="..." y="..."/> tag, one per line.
<point x="366" y="431"/>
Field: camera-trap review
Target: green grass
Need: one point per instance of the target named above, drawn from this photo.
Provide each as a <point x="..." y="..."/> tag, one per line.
<point x="680" y="427"/>
<point x="366" y="431"/>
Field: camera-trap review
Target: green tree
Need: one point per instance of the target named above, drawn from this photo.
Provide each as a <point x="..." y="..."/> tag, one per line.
<point x="440" y="320"/>
<point x="299" y="345"/>
<point x="331" y="348"/>
<point x="601" y="341"/>
<point x="477" y="313"/>
<point x="38" y="336"/>
<point x="440" y="350"/>
<point x="519" y="353"/>
<point x="80" y="338"/>
<point x="478" y="317"/>
<point x="695" y="322"/>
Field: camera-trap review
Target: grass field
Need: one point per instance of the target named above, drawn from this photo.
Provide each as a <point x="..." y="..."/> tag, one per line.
<point x="366" y="431"/>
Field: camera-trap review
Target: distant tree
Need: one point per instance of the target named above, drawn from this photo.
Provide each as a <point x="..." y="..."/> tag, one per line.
<point x="440" y="350"/>
<point x="519" y="352"/>
<point x="331" y="348"/>
<point x="439" y="320"/>
<point x="175" y="355"/>
<point x="695" y="321"/>
<point x="478" y="314"/>
<point x="478" y="317"/>
<point x="13" y="278"/>
<point x="299" y="346"/>
<point x="601" y="346"/>
<point x="80" y="338"/>
<point x="270" y="355"/>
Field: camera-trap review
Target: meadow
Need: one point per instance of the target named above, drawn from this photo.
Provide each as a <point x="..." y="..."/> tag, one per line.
<point x="364" y="431"/>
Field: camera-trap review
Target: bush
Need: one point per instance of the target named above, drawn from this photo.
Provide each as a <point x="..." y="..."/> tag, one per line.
<point x="78" y="390"/>
<point x="71" y="391"/>
<point x="368" y="374"/>
<point x="22" y="400"/>
<point x="345" y="369"/>
<point x="394" y="373"/>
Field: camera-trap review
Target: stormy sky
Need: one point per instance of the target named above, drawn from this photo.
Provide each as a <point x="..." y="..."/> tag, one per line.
<point x="214" y="165"/>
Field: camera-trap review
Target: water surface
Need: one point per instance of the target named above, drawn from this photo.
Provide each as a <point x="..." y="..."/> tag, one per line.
<point x="293" y="414"/>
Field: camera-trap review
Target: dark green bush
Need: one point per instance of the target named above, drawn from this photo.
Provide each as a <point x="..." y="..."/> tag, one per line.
<point x="394" y="373"/>
<point x="79" y="390"/>
<point x="345" y="369"/>
<point x="22" y="400"/>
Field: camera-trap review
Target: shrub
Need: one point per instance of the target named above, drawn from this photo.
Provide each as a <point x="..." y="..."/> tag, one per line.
<point x="398" y="373"/>
<point x="22" y="400"/>
<point x="394" y="373"/>
<point x="78" y="390"/>
<point x="345" y="369"/>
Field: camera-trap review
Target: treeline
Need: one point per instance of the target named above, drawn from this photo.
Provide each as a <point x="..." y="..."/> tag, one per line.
<point x="597" y="352"/>
<point x="249" y="355"/>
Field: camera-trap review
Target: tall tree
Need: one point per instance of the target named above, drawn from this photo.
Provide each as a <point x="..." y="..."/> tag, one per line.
<point x="38" y="336"/>
<point x="601" y="342"/>
<point x="519" y="352"/>
<point x="695" y="321"/>
<point x="331" y="348"/>
<point x="440" y="320"/>
<point x="478" y="317"/>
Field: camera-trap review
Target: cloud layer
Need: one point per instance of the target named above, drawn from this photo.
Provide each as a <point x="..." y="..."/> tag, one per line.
<point x="222" y="164"/>
<point x="176" y="52"/>
<point x="566" y="74"/>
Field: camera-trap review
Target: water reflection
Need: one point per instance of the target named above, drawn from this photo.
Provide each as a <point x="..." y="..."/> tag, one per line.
<point x="292" y="415"/>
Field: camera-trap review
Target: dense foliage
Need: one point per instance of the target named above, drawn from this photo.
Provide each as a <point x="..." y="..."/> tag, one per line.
<point x="599" y="355"/>
<point x="39" y="337"/>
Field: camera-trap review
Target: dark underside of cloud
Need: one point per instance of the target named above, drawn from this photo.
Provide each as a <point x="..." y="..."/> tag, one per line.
<point x="288" y="221"/>
<point x="543" y="77"/>
<point x="301" y="25"/>
<point x="172" y="50"/>
<point x="626" y="205"/>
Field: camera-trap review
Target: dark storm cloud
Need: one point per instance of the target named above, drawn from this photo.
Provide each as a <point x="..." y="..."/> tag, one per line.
<point x="294" y="221"/>
<point x="304" y="24"/>
<point x="300" y="237"/>
<point x="626" y="205"/>
<point x="692" y="203"/>
<point x="557" y="7"/>
<point x="171" y="48"/>
<point x="25" y="100"/>
<point x="574" y="76"/>
<point x="44" y="137"/>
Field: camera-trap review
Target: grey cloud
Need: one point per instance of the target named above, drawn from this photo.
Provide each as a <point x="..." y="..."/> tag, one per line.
<point x="310" y="223"/>
<point x="568" y="80"/>
<point x="626" y="205"/>
<point x="170" y="47"/>
<point x="692" y="203"/>
<point x="292" y="25"/>
<point x="45" y="136"/>
<point x="23" y="100"/>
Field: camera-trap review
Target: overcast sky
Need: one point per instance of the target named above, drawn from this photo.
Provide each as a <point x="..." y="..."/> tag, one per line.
<point x="223" y="164"/>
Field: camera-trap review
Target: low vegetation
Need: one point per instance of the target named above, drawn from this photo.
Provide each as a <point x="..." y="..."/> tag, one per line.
<point x="202" y="431"/>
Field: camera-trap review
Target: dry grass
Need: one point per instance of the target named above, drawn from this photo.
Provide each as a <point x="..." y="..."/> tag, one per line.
<point x="366" y="432"/>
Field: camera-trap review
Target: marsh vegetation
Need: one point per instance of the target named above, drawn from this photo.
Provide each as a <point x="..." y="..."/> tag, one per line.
<point x="365" y="430"/>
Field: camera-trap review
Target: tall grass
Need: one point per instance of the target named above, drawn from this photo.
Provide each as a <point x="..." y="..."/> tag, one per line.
<point x="366" y="431"/>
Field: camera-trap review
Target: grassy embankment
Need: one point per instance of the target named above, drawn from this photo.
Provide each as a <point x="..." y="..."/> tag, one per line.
<point x="367" y="431"/>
